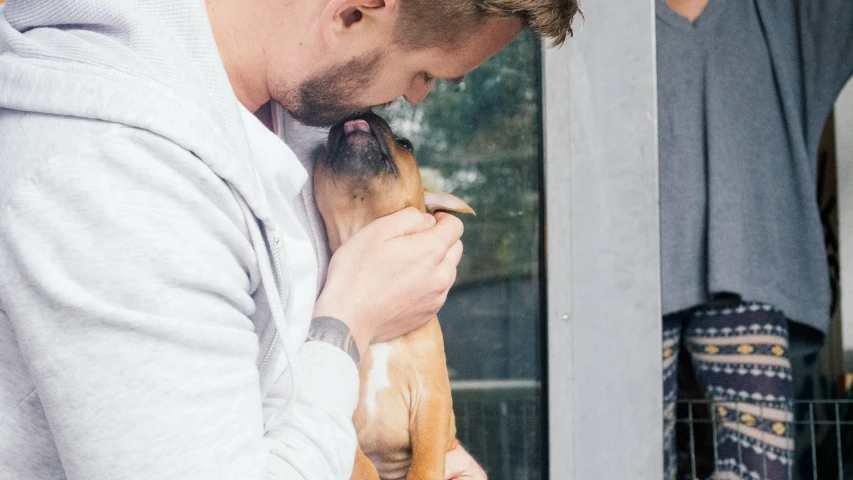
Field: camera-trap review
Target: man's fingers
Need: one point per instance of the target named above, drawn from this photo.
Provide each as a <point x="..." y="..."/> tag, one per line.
<point x="456" y="462"/>
<point x="447" y="229"/>
<point x="446" y="269"/>
<point x="459" y="464"/>
<point x="404" y="222"/>
<point x="454" y="255"/>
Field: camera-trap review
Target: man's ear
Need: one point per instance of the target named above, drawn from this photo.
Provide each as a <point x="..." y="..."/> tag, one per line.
<point x="340" y="16"/>
<point x="440" y="201"/>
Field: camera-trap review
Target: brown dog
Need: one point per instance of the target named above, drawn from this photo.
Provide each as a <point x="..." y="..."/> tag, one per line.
<point x="404" y="418"/>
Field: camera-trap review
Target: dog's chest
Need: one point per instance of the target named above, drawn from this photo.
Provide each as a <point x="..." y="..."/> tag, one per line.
<point x="389" y="385"/>
<point x="377" y="377"/>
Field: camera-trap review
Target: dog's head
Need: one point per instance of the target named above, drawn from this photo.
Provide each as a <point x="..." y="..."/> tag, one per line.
<point x="365" y="172"/>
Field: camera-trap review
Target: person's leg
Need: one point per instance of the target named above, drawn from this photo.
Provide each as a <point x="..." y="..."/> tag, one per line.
<point x="671" y="345"/>
<point x="740" y="354"/>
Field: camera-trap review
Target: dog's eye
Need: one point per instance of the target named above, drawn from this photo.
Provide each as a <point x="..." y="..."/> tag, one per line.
<point x="406" y="144"/>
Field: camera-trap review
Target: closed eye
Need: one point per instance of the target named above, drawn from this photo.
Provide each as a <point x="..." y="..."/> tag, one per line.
<point x="405" y="143"/>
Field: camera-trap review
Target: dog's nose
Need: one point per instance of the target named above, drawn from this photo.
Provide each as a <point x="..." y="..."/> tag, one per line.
<point x="355" y="125"/>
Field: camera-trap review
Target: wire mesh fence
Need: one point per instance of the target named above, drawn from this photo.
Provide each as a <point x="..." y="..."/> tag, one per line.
<point x="822" y="431"/>
<point x="501" y="424"/>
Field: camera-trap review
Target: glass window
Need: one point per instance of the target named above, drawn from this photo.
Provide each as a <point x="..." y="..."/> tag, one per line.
<point x="481" y="141"/>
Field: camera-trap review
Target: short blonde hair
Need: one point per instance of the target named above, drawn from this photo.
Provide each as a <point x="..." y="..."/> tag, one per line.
<point x="446" y="23"/>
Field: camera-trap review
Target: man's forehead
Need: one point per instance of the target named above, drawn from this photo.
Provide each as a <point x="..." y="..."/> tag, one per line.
<point x="491" y="37"/>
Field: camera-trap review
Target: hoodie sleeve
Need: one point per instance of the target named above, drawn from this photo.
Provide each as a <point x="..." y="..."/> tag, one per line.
<point x="127" y="276"/>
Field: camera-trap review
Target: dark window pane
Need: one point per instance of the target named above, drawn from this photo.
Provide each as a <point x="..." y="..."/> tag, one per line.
<point x="481" y="141"/>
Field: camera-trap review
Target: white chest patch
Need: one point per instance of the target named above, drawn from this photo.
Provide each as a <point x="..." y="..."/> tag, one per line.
<point x="377" y="379"/>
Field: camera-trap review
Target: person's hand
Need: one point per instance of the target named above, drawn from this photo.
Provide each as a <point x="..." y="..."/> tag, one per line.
<point x="393" y="275"/>
<point x="459" y="465"/>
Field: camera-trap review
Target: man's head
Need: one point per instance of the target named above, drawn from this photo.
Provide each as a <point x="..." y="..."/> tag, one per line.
<point x="325" y="60"/>
<point x="448" y="24"/>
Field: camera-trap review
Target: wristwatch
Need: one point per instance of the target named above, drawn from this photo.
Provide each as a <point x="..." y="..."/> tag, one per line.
<point x="335" y="332"/>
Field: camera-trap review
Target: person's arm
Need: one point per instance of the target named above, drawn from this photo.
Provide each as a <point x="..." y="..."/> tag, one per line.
<point x="127" y="276"/>
<point x="826" y="39"/>
<point x="316" y="439"/>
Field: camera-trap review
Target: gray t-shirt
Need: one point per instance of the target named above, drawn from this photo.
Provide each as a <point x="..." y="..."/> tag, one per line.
<point x="744" y="92"/>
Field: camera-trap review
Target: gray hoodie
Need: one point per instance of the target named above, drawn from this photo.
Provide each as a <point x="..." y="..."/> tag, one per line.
<point x="140" y="302"/>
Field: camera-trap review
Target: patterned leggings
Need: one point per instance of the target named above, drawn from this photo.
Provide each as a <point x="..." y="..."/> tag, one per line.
<point x="739" y="354"/>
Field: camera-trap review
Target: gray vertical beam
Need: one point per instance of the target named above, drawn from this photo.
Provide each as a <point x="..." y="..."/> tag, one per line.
<point x="844" y="156"/>
<point x="558" y="254"/>
<point x="603" y="240"/>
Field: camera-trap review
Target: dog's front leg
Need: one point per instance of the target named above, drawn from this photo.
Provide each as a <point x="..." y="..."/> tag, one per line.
<point x="433" y="432"/>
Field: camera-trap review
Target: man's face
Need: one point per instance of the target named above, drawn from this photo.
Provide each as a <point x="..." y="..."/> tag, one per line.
<point x="379" y="76"/>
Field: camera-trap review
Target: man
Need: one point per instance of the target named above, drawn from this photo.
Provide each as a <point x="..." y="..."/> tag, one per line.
<point x="159" y="264"/>
<point x="744" y="90"/>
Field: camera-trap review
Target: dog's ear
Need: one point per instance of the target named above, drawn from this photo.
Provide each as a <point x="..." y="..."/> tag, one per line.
<point x="440" y="201"/>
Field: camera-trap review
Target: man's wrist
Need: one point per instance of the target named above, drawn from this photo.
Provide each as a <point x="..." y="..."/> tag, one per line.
<point x="334" y="332"/>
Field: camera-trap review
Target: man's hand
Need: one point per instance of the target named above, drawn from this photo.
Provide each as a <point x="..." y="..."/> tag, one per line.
<point x="459" y="465"/>
<point x="393" y="275"/>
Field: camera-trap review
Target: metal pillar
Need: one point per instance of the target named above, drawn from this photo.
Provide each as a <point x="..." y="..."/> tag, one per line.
<point x="844" y="156"/>
<point x="603" y="240"/>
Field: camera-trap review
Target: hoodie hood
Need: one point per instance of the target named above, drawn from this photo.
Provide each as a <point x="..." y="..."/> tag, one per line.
<point x="149" y="64"/>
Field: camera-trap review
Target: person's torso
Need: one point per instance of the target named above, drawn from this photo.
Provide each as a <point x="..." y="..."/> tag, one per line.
<point x="737" y="183"/>
<point x="278" y="324"/>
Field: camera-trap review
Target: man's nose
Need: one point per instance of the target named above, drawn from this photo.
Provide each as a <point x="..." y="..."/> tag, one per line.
<point x="418" y="91"/>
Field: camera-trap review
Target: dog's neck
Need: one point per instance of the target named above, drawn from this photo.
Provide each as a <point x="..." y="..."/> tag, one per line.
<point x="340" y="229"/>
